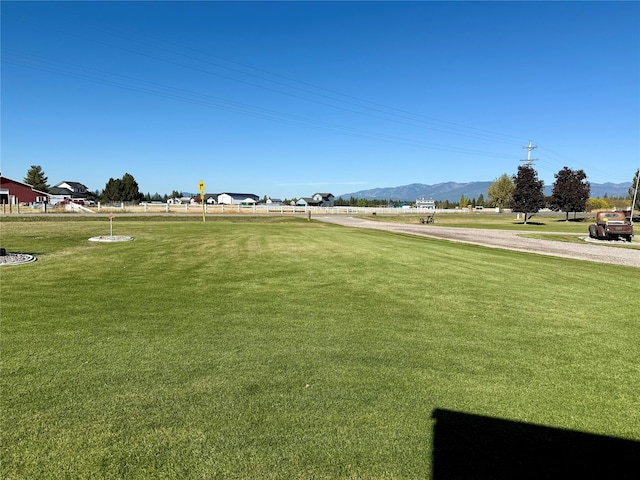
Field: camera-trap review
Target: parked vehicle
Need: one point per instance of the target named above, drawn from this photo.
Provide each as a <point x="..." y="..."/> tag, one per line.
<point x="611" y="226"/>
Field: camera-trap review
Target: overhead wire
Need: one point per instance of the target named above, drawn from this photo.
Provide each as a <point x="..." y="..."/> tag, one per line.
<point x="404" y="117"/>
<point x="206" y="100"/>
<point x="298" y="89"/>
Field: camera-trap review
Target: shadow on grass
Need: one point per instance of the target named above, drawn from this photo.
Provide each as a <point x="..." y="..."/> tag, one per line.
<point x="529" y="223"/>
<point x="574" y="220"/>
<point x="479" y="447"/>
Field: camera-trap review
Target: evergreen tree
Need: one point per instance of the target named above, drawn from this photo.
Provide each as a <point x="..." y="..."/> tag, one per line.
<point x="528" y="196"/>
<point x="112" y="191"/>
<point x="570" y="191"/>
<point x="130" y="190"/>
<point x="123" y="189"/>
<point x="36" y="178"/>
<point x="480" y="200"/>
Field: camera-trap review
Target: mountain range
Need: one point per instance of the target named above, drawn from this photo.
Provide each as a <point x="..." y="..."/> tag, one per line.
<point x="452" y="191"/>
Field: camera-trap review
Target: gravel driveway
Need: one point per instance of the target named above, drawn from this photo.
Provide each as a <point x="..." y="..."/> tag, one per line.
<point x="507" y="239"/>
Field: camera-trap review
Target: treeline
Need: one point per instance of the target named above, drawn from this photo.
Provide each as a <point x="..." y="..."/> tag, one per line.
<point x="370" y="202"/>
<point x="522" y="192"/>
<point x="604" y="203"/>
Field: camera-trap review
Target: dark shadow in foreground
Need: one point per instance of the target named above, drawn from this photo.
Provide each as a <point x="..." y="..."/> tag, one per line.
<point x="470" y="446"/>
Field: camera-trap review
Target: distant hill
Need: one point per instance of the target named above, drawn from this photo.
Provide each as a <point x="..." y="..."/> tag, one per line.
<point x="452" y="191"/>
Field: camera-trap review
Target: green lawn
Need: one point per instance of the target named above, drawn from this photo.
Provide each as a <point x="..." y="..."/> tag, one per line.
<point x="548" y="223"/>
<point x="279" y="348"/>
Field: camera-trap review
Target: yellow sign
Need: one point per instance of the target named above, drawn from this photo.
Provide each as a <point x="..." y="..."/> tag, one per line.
<point x="201" y="188"/>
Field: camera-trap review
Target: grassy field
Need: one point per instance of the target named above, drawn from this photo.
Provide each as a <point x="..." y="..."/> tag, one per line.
<point x="555" y="223"/>
<point x="279" y="348"/>
<point x="545" y="227"/>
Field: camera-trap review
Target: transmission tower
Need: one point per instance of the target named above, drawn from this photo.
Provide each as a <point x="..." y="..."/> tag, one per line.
<point x="529" y="148"/>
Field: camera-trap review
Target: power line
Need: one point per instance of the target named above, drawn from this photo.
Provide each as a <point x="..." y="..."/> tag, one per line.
<point x="205" y="100"/>
<point x="380" y="111"/>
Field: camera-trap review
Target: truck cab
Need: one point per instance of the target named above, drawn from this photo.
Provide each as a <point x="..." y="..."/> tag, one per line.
<point x="611" y="226"/>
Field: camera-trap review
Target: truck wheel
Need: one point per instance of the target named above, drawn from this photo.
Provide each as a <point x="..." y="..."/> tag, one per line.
<point x="601" y="233"/>
<point x="592" y="231"/>
<point x="629" y="238"/>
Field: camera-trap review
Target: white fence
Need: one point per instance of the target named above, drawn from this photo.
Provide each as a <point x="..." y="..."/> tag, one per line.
<point x="272" y="209"/>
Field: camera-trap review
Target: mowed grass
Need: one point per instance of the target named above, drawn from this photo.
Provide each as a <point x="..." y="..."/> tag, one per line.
<point x="489" y="220"/>
<point x="281" y="348"/>
<point x="545" y="227"/>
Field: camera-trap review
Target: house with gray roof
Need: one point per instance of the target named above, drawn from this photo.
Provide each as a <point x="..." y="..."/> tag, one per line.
<point x="68" y="190"/>
<point x="318" y="200"/>
<point x="238" y="198"/>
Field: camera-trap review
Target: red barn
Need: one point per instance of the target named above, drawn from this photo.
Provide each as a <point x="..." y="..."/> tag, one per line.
<point x="13" y="192"/>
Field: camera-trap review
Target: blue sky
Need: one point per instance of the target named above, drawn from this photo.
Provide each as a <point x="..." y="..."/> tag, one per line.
<point x="287" y="99"/>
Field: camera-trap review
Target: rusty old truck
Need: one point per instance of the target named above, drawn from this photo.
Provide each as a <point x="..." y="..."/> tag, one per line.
<point x="611" y="226"/>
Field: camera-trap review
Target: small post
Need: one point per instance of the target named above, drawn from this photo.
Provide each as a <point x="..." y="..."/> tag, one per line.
<point x="308" y="215"/>
<point x="111" y="224"/>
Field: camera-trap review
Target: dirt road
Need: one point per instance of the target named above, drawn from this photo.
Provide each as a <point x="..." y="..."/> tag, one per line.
<point x="506" y="239"/>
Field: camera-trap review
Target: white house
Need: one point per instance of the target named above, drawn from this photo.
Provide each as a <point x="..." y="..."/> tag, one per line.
<point x="238" y="199"/>
<point x="211" y="198"/>
<point x="68" y="190"/>
<point x="324" y="199"/>
<point x="426" y="204"/>
<point x="318" y="200"/>
<point x="306" y="202"/>
<point x="181" y="201"/>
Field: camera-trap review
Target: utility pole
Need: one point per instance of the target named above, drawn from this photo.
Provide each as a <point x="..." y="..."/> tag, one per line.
<point x="635" y="195"/>
<point x="529" y="148"/>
